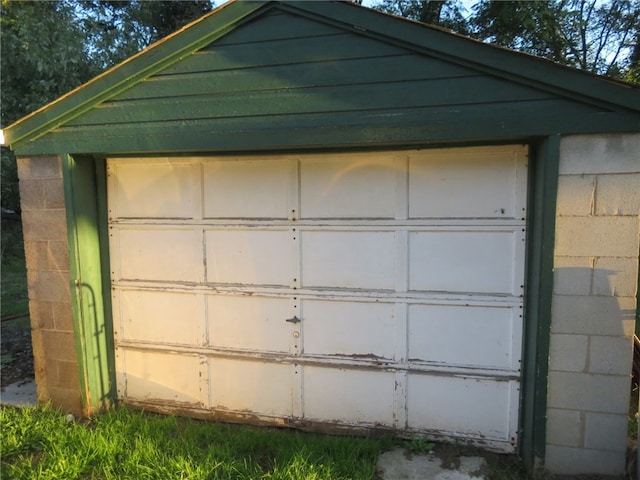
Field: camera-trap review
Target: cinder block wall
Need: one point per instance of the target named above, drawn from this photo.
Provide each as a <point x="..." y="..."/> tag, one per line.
<point x="47" y="254"/>
<point x="593" y="308"/>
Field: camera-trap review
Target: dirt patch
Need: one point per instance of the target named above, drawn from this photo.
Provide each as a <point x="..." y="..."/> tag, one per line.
<point x="16" y="354"/>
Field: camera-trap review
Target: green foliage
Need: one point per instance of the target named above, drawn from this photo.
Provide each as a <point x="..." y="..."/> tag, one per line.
<point x="420" y="446"/>
<point x="114" y="30"/>
<point x="14" y="299"/>
<point x="9" y="192"/>
<point x="531" y="27"/>
<point x="40" y="443"/>
<point x="444" y="13"/>
<point x="42" y="56"/>
<point x="600" y="36"/>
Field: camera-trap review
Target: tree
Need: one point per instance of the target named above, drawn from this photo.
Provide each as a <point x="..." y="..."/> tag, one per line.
<point x="445" y="13"/>
<point x="43" y="56"/>
<point x="604" y="33"/>
<point x="50" y="47"/>
<point x="116" y="29"/>
<point x="532" y="27"/>
<point x="600" y="36"/>
<point x="592" y="35"/>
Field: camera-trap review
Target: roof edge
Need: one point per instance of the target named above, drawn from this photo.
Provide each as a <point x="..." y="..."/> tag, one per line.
<point x="134" y="69"/>
<point x="524" y="68"/>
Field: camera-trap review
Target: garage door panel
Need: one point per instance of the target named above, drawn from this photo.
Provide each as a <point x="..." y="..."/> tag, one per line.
<point x="350" y="260"/>
<point x="486" y="183"/>
<point x="405" y="270"/>
<point x="348" y="396"/>
<point x="251" y="387"/>
<point x="463" y="406"/>
<point x="465" y="261"/>
<point x="362" y="330"/>
<point x="248" y="189"/>
<point x="341" y="187"/>
<point x="155" y="376"/>
<point x="160" y="317"/>
<point x="159" y="254"/>
<point x="161" y="189"/>
<point x="250" y="257"/>
<point x="249" y="322"/>
<point x="471" y="336"/>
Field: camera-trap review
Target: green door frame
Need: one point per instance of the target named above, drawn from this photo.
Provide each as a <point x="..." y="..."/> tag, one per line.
<point x="85" y="191"/>
<point x="87" y="222"/>
<point x="543" y="192"/>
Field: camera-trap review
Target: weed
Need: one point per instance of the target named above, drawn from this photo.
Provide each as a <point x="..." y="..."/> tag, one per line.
<point x="420" y="446"/>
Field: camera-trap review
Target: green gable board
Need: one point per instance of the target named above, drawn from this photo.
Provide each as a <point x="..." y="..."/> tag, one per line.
<point x="292" y="75"/>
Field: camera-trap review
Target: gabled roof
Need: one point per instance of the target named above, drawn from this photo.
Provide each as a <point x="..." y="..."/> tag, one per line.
<point x="347" y="74"/>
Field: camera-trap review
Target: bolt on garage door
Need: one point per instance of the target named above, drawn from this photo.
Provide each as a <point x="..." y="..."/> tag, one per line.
<point x="369" y="290"/>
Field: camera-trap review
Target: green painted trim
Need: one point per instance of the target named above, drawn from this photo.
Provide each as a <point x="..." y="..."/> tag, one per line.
<point x="543" y="190"/>
<point x="85" y="261"/>
<point x="105" y="266"/>
<point x="157" y="57"/>
<point x="433" y="126"/>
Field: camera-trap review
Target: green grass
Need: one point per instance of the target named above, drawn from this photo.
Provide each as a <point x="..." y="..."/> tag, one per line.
<point x="39" y="443"/>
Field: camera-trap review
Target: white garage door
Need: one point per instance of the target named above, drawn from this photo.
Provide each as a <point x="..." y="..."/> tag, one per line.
<point x="379" y="290"/>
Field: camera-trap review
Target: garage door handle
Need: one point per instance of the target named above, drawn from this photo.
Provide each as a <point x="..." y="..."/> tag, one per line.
<point x="293" y="320"/>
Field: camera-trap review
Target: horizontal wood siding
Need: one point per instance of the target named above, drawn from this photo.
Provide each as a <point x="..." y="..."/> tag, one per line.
<point x="280" y="79"/>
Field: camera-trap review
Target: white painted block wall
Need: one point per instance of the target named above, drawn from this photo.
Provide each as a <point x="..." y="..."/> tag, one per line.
<point x="594" y="302"/>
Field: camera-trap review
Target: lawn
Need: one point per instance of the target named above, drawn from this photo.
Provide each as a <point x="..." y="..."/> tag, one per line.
<point x="40" y="443"/>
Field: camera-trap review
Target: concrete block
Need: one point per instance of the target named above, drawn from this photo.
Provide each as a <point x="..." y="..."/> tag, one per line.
<point x="42" y="255"/>
<point x="39" y="363"/>
<point x="576" y="195"/>
<point x="615" y="276"/>
<point x="67" y="400"/>
<point x="606" y="432"/>
<point x="568" y="353"/>
<point x="610" y="355"/>
<point x="59" y="345"/>
<point x="44" y="225"/>
<point x="58" y="255"/>
<point x="572" y="275"/>
<point x="49" y="286"/>
<point x="39" y="167"/>
<point x="564" y="427"/>
<point x="574" y="314"/>
<point x="597" y="236"/>
<point x="588" y="391"/>
<point x="37" y="255"/>
<point x="41" y="314"/>
<point x="62" y="316"/>
<point x="32" y="196"/>
<point x="53" y="193"/>
<point x="618" y="194"/>
<point x="588" y="154"/>
<point x="68" y="375"/>
<point x="575" y="461"/>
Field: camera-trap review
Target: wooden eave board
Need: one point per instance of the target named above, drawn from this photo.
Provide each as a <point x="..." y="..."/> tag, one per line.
<point x="306" y="60"/>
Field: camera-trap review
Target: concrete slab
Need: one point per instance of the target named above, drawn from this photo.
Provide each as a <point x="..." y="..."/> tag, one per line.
<point x="21" y="394"/>
<point x="399" y="464"/>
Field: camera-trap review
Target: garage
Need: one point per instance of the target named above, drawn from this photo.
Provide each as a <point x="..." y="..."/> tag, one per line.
<point x="316" y="215"/>
<point x="375" y="290"/>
